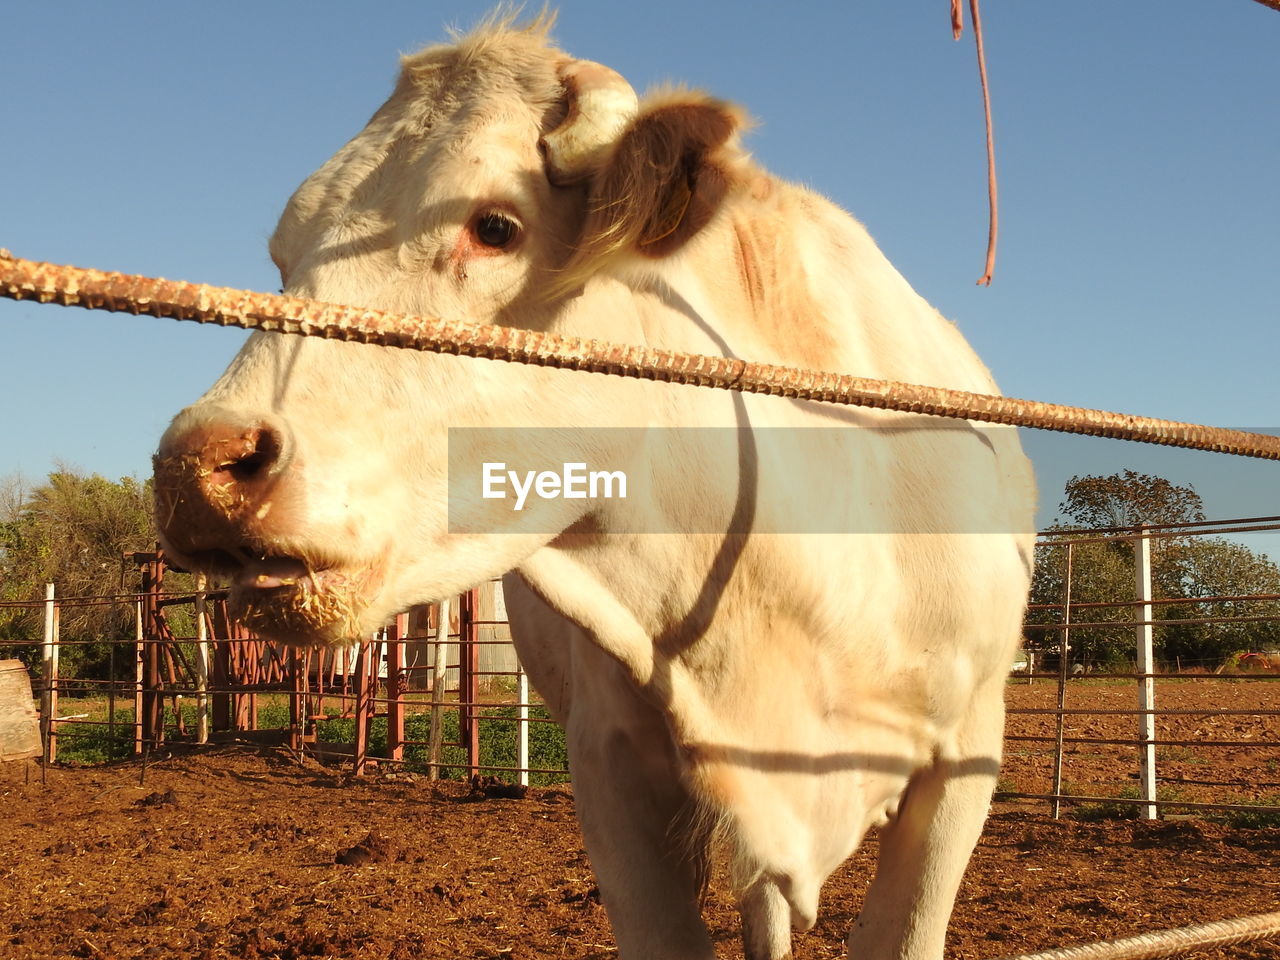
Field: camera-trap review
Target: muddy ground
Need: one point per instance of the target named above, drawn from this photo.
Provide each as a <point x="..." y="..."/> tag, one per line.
<point x="241" y="852"/>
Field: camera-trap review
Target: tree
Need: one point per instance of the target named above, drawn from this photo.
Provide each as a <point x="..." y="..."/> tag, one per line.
<point x="1099" y="574"/>
<point x="74" y="531"/>
<point x="1127" y="499"/>
<point x="1183" y="566"/>
<point x="13" y="494"/>
<point x="1215" y="567"/>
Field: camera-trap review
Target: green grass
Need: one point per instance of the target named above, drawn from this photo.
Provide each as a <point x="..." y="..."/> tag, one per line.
<point x="498" y="729"/>
<point x="84" y="744"/>
<point x="1006" y="784"/>
<point x="1119" y="810"/>
<point x="1267" y="814"/>
<point x="1187" y="755"/>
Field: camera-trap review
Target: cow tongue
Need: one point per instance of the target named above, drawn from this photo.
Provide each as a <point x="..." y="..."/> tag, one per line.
<point x="272" y="572"/>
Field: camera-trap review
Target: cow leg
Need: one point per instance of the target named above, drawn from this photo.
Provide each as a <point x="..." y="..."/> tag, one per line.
<point x="648" y="843"/>
<point x="925" y="849"/>
<point x="766" y="921"/>
<point x="648" y="848"/>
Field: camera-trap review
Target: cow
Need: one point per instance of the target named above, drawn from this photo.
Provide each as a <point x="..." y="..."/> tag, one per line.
<point x="757" y="655"/>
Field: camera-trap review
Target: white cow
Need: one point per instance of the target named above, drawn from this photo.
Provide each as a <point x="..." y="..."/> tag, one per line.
<point x="791" y="629"/>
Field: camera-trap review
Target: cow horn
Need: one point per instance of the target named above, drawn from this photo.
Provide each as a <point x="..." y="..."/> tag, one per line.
<point x="601" y="104"/>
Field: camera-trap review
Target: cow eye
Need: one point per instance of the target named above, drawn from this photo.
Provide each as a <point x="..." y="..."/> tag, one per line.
<point x="495" y="230"/>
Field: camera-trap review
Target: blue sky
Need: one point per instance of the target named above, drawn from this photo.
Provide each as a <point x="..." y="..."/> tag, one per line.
<point x="1138" y="143"/>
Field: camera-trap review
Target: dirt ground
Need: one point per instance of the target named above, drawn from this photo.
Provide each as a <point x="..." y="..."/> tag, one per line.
<point x="245" y="853"/>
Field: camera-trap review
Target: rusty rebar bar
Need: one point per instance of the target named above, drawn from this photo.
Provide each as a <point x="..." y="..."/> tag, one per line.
<point x="1168" y="943"/>
<point x="73" y="286"/>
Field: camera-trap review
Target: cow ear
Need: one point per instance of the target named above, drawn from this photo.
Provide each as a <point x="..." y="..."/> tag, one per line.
<point x="665" y="179"/>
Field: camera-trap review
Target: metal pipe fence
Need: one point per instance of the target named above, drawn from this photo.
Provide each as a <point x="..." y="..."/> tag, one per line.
<point x="416" y="695"/>
<point x="446" y="695"/>
<point x="1105" y="714"/>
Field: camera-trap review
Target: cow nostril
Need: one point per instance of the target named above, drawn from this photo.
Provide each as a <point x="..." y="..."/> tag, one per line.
<point x="258" y="453"/>
<point x="218" y="487"/>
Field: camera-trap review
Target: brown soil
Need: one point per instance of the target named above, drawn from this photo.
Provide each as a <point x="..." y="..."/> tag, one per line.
<point x="238" y="853"/>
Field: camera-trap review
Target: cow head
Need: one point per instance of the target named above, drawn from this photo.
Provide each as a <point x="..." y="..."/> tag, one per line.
<point x="503" y="182"/>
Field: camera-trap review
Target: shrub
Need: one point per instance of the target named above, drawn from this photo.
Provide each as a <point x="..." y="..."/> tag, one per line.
<point x="1119" y="809"/>
<point x="1266" y="815"/>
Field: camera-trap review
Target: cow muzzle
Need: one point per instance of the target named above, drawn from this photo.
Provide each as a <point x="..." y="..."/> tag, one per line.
<point x="227" y="503"/>
<point x="218" y="481"/>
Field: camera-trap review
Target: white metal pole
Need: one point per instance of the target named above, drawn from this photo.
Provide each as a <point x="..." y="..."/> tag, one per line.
<point x="439" y="668"/>
<point x="138" y="652"/>
<point x="1064" y="658"/>
<point x="202" y="664"/>
<point x="49" y="667"/>
<point x="522" y="726"/>
<point x="1146" y="682"/>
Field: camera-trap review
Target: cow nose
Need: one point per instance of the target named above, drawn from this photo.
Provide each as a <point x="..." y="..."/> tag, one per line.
<point x="241" y="458"/>
<point x="224" y="455"/>
<point x="215" y="477"/>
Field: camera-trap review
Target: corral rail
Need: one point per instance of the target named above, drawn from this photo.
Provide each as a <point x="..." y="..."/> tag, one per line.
<point x="1168" y="943"/>
<point x="73" y="286"/>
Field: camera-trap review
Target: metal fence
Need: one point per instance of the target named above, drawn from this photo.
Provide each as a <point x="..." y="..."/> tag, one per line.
<point x="439" y="690"/>
<point x="1133" y="722"/>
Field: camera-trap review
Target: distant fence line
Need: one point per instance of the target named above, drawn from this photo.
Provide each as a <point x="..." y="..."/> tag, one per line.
<point x="1055" y="640"/>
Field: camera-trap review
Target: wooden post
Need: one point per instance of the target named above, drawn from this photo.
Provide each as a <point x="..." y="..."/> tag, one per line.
<point x="49" y="658"/>
<point x="366" y="659"/>
<point x="396" y="638"/>
<point x="294" y="668"/>
<point x="221" y="667"/>
<point x="468" y="680"/>
<point x="300" y="662"/>
<point x="439" y="677"/>
<point x="202" y="664"/>
<point x="1146" y="680"/>
<point x="152" y="686"/>
<point x="1064" y="655"/>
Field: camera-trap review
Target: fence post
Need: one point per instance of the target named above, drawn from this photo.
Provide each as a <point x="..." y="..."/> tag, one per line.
<point x="1064" y="655"/>
<point x="202" y="664"/>
<point x="49" y="695"/>
<point x="139" y="651"/>
<point x="1146" y="680"/>
<point x="366" y="660"/>
<point x="396" y="638"/>
<point x="152" y="686"/>
<point x="439" y="677"/>
<point x="522" y="725"/>
<point x="469" y="680"/>
<point x="111" y="693"/>
<point x="222" y="696"/>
